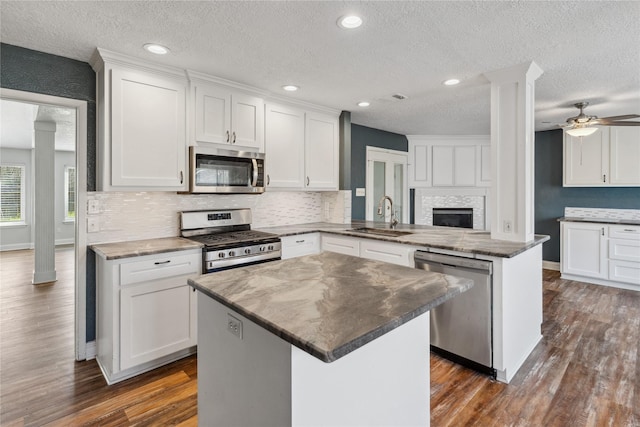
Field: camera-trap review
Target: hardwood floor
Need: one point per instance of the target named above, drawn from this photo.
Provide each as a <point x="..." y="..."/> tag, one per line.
<point x="585" y="372"/>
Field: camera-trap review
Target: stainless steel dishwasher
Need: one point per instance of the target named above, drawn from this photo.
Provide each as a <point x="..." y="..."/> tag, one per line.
<point x="461" y="328"/>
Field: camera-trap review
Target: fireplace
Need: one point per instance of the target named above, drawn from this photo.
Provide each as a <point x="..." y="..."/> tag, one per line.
<point x="453" y="217"/>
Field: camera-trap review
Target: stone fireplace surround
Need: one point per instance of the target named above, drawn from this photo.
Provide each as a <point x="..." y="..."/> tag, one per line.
<point x="476" y="198"/>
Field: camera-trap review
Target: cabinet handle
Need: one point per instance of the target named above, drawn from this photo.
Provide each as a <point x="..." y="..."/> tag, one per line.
<point x="299" y="241"/>
<point x="268" y="180"/>
<point x="234" y="138"/>
<point x="604" y="178"/>
<point x="603" y="231"/>
<point x="162" y="262"/>
<point x="181" y="177"/>
<point x="307" y="181"/>
<point x="227" y="136"/>
<point x="630" y="230"/>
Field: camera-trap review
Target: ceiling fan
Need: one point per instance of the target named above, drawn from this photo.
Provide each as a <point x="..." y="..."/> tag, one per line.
<point x="582" y="124"/>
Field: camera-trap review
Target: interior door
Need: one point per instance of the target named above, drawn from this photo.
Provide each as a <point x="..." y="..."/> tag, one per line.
<point x="386" y="176"/>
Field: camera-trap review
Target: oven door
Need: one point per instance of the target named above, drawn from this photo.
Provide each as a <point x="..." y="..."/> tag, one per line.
<point x="225" y="171"/>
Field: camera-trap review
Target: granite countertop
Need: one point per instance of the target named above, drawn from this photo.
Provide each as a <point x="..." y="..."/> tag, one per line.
<point x="601" y="220"/>
<point x="135" y="248"/>
<point x="329" y="304"/>
<point x="454" y="239"/>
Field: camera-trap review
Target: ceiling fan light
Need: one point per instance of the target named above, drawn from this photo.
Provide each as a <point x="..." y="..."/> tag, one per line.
<point x="582" y="131"/>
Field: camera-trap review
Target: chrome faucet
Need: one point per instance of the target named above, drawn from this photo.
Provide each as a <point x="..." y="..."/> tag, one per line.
<point x="393" y="221"/>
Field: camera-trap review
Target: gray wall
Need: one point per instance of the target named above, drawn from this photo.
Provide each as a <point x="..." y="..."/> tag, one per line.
<point x="361" y="137"/>
<point x="31" y="71"/>
<point x="551" y="197"/>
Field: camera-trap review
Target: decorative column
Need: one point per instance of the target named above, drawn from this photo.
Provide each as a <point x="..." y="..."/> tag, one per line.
<point x="513" y="151"/>
<point x="45" y="231"/>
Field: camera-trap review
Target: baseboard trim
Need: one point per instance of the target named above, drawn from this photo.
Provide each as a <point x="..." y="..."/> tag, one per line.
<point x="90" y="350"/>
<point x="551" y="265"/>
<point x="601" y="282"/>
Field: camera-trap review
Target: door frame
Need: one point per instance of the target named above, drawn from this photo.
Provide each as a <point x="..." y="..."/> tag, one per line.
<point x="386" y="155"/>
<point x="80" y="294"/>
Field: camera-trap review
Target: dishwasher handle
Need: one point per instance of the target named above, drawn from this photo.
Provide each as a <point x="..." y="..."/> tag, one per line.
<point x="486" y="267"/>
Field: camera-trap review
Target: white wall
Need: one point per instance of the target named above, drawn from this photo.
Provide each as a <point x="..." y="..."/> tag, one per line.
<point x="19" y="237"/>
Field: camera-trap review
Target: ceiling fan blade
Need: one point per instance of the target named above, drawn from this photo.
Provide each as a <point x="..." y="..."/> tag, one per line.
<point x="625" y="117"/>
<point x="609" y="123"/>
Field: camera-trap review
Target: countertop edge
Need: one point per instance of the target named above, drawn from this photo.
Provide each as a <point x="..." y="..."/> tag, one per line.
<point x="189" y="245"/>
<point x="344" y="349"/>
<point x="613" y="221"/>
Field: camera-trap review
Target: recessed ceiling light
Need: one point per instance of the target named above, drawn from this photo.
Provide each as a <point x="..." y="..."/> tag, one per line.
<point x="349" y="22"/>
<point x="451" y="82"/>
<point x="290" y="88"/>
<point x="156" y="48"/>
<point x="363" y="104"/>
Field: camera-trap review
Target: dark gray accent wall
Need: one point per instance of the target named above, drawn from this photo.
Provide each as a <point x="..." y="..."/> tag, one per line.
<point x="32" y="71"/>
<point x="361" y="137"/>
<point x="551" y="197"/>
<point x="345" y="151"/>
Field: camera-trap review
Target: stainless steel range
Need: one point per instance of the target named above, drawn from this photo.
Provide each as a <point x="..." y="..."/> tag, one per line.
<point x="228" y="239"/>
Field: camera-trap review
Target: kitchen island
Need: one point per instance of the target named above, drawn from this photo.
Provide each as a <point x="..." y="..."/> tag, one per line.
<point x="326" y="339"/>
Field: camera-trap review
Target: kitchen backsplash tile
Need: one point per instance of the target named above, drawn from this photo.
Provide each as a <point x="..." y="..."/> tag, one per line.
<point x="125" y="216"/>
<point x="602" y="213"/>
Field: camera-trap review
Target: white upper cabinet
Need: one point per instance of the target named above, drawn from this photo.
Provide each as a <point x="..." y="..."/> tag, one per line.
<point x="610" y="157"/>
<point x="301" y="148"/>
<point x="141" y="126"/>
<point x="226" y="116"/>
<point x="624" y="155"/>
<point x="321" y="151"/>
<point x="449" y="161"/>
<point x="284" y="145"/>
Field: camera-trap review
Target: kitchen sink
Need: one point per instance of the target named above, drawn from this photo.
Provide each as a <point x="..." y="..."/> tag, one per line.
<point x="381" y="231"/>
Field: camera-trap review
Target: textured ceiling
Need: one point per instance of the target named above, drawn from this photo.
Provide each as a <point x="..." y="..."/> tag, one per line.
<point x="588" y="51"/>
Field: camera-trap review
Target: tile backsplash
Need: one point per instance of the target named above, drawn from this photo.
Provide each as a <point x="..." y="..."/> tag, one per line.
<point x="125" y="216"/>
<point x="603" y="213"/>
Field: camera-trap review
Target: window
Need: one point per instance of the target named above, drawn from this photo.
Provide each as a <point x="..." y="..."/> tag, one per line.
<point x="12" y="194"/>
<point x="69" y="193"/>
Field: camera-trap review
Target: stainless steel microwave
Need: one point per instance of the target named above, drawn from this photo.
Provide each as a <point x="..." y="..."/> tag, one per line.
<point x="213" y="170"/>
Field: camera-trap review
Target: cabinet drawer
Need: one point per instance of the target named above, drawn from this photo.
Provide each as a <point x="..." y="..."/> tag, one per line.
<point x="624" y="232"/>
<point x="624" y="271"/>
<point x="387" y="252"/>
<point x="299" y="245"/>
<point x="626" y="250"/>
<point x="341" y="245"/>
<point x="159" y="267"/>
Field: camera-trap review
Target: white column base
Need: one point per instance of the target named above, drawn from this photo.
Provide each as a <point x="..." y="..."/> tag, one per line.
<point x="40" y="277"/>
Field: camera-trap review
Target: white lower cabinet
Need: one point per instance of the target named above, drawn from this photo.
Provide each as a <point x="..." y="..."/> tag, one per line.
<point x="341" y="244"/>
<point x="601" y="254"/>
<point x="300" y="245"/>
<point x="393" y="253"/>
<point x="146" y="312"/>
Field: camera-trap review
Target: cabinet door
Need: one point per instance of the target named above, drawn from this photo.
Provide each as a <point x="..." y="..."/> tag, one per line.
<point x="419" y="165"/>
<point x="483" y="166"/>
<point x="624" y="152"/>
<point x="586" y="159"/>
<point x="464" y="166"/>
<point x="299" y="245"/>
<point x="584" y="250"/>
<point x="148" y="131"/>
<point x="341" y="245"/>
<point x="442" y="166"/>
<point x="388" y="252"/>
<point x="624" y="271"/>
<point x="321" y="151"/>
<point x="213" y="114"/>
<point x="157" y="319"/>
<point x="284" y="146"/>
<point x="247" y="117"/>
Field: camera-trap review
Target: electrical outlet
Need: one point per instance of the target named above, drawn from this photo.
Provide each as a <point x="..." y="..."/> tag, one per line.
<point x="360" y="192"/>
<point x="234" y="326"/>
<point x="93" y="225"/>
<point x="506" y="226"/>
<point x="93" y="207"/>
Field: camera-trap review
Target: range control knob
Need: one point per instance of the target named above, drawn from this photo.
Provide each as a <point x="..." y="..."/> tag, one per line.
<point x="262" y="248"/>
<point x="232" y="253"/>
<point x="270" y="247"/>
<point x="220" y="254"/>
<point x="247" y="251"/>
